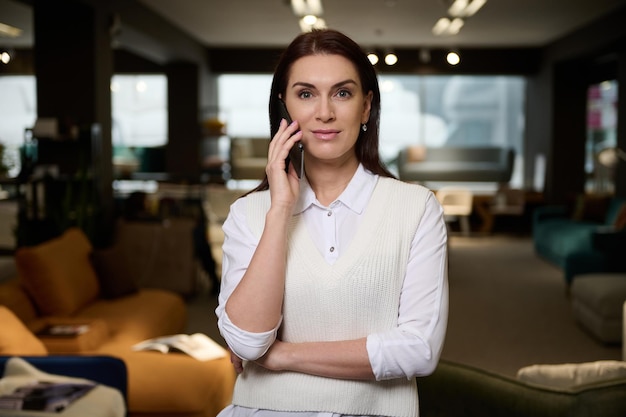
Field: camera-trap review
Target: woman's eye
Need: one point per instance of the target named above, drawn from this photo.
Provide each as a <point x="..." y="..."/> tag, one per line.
<point x="305" y="94"/>
<point x="344" y="93"/>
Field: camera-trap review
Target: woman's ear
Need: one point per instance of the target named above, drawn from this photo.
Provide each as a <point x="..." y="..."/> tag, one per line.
<point x="367" y="106"/>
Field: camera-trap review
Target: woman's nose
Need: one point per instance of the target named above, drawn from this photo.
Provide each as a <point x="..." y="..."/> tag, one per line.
<point x="326" y="111"/>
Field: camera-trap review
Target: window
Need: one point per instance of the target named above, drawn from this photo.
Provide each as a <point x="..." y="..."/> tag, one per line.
<point x="18" y="106"/>
<point x="430" y="110"/>
<point x="139" y="110"/>
<point x="139" y="123"/>
<point x="600" y="158"/>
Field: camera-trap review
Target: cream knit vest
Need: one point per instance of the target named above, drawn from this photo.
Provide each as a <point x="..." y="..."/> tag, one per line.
<point x="356" y="296"/>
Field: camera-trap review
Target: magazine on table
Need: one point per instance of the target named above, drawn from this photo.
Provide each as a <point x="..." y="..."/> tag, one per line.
<point x="45" y="396"/>
<point x="64" y="330"/>
<point x="196" y="345"/>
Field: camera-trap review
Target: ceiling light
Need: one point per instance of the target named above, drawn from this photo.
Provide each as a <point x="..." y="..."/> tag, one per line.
<point x="373" y="58"/>
<point x="455" y="26"/>
<point x="391" y="58"/>
<point x="447" y="27"/>
<point x="9" y="31"/>
<point x="441" y="26"/>
<point x="473" y="7"/>
<point x="319" y="24"/>
<point x="453" y="58"/>
<point x="465" y="8"/>
<point x="457" y="7"/>
<point x="5" y="57"/>
<point x="307" y="7"/>
<point x="309" y="19"/>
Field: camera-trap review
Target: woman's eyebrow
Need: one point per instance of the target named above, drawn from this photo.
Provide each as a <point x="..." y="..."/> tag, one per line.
<point x="339" y="84"/>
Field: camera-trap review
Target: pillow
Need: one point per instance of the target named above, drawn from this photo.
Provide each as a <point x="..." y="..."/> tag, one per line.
<point x="15" y="338"/>
<point x="590" y="208"/>
<point x="570" y="375"/>
<point x="620" y="219"/>
<point x="58" y="273"/>
<point x="14" y="297"/>
<point x="114" y="272"/>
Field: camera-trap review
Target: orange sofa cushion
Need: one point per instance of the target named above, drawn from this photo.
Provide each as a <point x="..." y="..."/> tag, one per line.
<point x="15" y="338"/>
<point x="14" y="296"/>
<point x="58" y="274"/>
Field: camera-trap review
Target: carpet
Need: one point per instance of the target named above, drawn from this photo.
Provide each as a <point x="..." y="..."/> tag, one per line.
<point x="509" y="309"/>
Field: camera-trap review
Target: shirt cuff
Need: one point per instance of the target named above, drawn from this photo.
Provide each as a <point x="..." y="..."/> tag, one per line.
<point x="246" y="345"/>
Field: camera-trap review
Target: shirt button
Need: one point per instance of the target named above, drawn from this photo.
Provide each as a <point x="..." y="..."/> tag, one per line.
<point x="332" y="249"/>
<point x="330" y="213"/>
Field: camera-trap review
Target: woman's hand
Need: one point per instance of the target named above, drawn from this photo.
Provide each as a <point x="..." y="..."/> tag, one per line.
<point x="284" y="186"/>
<point x="272" y="358"/>
<point x="236" y="361"/>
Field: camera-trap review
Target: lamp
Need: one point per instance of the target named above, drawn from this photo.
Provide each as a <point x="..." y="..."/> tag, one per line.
<point x="453" y="58"/>
<point x="5" y="57"/>
<point x="447" y="27"/>
<point x="309" y="12"/>
<point x="458" y="11"/>
<point x="609" y="157"/>
<point x="9" y="31"/>
<point x="391" y="58"/>
<point x="310" y="22"/>
<point x="465" y="8"/>
<point x="373" y="58"/>
<point x="303" y="8"/>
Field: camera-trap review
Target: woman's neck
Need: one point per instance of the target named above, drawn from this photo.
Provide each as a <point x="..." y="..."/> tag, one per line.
<point x="328" y="182"/>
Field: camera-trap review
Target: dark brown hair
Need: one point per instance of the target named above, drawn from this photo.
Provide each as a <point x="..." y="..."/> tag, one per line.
<point x="332" y="42"/>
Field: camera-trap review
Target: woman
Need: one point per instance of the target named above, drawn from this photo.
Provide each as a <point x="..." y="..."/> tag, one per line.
<point x="334" y="286"/>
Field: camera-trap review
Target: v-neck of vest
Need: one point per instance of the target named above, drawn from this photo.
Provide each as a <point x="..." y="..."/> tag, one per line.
<point x="366" y="232"/>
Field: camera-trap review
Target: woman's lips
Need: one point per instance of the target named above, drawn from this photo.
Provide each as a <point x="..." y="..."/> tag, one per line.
<point x="325" y="134"/>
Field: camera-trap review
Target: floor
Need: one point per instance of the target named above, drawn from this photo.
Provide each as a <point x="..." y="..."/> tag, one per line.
<point x="508" y="309"/>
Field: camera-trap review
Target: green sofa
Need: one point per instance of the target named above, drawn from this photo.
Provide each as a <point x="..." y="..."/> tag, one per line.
<point x="456" y="390"/>
<point x="579" y="242"/>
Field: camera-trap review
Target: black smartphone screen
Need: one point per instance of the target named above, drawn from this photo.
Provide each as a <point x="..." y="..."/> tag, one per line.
<point x="296" y="152"/>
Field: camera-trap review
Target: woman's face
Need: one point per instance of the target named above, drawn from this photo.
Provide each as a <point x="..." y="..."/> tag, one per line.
<point x="324" y="94"/>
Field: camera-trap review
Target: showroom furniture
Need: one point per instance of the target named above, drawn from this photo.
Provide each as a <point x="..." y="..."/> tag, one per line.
<point x="584" y="239"/>
<point x="457" y="205"/>
<point x="105" y="370"/>
<point x="597" y="304"/>
<point x="106" y="399"/>
<point x="465" y="391"/>
<point x="248" y="158"/>
<point x="458" y="164"/>
<point x="57" y="283"/>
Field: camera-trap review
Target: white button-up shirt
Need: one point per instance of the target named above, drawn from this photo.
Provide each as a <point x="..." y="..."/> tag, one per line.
<point x="413" y="347"/>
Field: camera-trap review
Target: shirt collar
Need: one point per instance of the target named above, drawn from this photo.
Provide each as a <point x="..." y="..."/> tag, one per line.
<point x="355" y="196"/>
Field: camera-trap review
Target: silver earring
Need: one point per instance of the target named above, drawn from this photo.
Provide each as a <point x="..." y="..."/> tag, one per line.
<point x="364" y="127"/>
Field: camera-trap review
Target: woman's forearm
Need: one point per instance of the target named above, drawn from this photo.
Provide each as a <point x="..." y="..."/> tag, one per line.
<point x="256" y="303"/>
<point x="341" y="359"/>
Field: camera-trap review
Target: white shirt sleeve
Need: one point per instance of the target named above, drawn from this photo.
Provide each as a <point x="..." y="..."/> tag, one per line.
<point x="413" y="348"/>
<point x="238" y="248"/>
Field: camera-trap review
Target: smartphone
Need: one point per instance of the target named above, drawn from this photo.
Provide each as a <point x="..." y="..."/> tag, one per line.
<point x="296" y="153"/>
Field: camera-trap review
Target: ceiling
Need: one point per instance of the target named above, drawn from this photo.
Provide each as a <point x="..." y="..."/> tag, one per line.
<point x="375" y="23"/>
<point x="372" y="23"/>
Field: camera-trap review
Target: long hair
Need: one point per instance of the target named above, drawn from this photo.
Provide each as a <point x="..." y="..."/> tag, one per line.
<point x="332" y="42"/>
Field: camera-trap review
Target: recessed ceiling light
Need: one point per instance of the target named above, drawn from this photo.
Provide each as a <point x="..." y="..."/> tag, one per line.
<point x="9" y="31"/>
